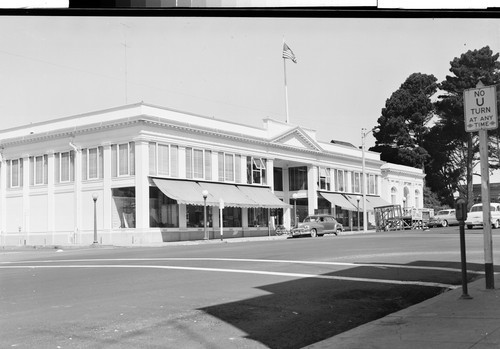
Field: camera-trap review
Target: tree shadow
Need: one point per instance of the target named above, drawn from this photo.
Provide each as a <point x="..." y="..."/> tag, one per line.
<point x="301" y="312"/>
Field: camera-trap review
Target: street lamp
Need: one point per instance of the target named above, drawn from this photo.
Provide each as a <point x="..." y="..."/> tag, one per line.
<point x="94" y="197"/>
<point x="205" y="194"/>
<point x="364" y="133"/>
<point x="357" y="199"/>
<point x="294" y="196"/>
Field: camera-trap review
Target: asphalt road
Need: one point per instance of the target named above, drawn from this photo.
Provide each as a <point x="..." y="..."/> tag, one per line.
<point x="255" y="294"/>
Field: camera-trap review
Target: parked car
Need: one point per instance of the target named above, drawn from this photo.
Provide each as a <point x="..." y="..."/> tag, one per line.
<point x="317" y="225"/>
<point x="475" y="215"/>
<point x="443" y="218"/>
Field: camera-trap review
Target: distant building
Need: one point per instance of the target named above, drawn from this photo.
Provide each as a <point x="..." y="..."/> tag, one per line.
<point x="149" y="166"/>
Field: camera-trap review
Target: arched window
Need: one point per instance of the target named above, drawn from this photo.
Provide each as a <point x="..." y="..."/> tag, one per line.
<point x="394" y="193"/>
<point x="417" y="198"/>
<point x="406" y="193"/>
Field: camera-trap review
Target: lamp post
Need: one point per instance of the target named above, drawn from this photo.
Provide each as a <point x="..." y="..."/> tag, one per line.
<point x="294" y="196"/>
<point x="357" y="199"/>
<point x="364" y="133"/>
<point x="205" y="195"/>
<point x="94" y="197"/>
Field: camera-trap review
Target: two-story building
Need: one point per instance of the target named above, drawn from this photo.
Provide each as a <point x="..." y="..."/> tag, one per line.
<point x="148" y="169"/>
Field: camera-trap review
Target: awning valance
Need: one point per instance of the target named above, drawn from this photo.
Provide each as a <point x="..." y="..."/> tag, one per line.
<point x="338" y="200"/>
<point x="264" y="196"/>
<point x="230" y="193"/>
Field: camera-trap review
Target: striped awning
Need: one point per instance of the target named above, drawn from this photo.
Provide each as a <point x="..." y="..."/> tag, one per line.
<point x="263" y="196"/>
<point x="184" y="192"/>
<point x="338" y="200"/>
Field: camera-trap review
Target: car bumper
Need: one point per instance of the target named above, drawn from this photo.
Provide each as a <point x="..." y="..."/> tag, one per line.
<point x="299" y="231"/>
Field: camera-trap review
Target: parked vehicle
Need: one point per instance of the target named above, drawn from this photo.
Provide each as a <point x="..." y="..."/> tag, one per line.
<point x="317" y="225"/>
<point x="475" y="215"/>
<point x="443" y="218"/>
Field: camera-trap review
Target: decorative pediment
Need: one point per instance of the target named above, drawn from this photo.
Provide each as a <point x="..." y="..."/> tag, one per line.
<point x="297" y="138"/>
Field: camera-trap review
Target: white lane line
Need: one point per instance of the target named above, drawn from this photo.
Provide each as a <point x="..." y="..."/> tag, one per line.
<point x="292" y="275"/>
<point x="376" y="265"/>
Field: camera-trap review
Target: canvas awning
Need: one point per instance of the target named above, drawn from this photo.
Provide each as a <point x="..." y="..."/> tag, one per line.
<point x="264" y="196"/>
<point x="184" y="192"/>
<point x="371" y="201"/>
<point x="230" y="193"/>
<point x="377" y="201"/>
<point x="338" y="200"/>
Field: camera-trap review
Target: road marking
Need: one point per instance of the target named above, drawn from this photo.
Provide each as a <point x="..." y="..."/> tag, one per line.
<point x="259" y="272"/>
<point x="351" y="264"/>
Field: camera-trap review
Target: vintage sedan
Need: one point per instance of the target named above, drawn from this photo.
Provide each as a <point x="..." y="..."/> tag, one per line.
<point x="317" y="225"/>
<point x="443" y="218"/>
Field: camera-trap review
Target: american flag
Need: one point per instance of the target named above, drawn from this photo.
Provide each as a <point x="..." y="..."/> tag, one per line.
<point x="288" y="53"/>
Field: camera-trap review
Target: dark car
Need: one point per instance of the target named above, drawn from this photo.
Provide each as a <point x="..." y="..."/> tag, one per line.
<point x="317" y="225"/>
<point x="443" y="218"/>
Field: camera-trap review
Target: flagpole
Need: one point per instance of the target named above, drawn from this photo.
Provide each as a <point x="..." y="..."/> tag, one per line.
<point x="286" y="92"/>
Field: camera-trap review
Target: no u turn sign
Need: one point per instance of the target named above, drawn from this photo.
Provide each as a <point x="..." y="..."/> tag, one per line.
<point x="480" y="109"/>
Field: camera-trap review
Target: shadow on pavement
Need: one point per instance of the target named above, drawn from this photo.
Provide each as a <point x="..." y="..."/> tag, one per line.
<point x="302" y="312"/>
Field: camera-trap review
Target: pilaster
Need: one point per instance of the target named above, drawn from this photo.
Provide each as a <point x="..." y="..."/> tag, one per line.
<point x="142" y="184"/>
<point x="312" y="189"/>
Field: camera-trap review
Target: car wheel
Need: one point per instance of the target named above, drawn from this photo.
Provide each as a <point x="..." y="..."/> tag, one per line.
<point x="444" y="224"/>
<point x="313" y="233"/>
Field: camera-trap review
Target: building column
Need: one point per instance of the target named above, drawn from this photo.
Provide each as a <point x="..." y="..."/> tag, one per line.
<point x="142" y="185"/>
<point x="312" y="189"/>
<point x="107" y="199"/>
<point x="3" y="200"/>
<point x="270" y="173"/>
<point x="26" y="196"/>
<point x="51" y="219"/>
<point x="78" y="195"/>
<point x="288" y="211"/>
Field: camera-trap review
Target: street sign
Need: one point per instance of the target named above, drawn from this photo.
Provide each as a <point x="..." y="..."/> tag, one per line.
<point x="480" y="109"/>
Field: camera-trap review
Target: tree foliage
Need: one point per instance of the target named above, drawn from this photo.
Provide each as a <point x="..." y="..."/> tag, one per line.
<point x="402" y="125"/>
<point x="445" y="151"/>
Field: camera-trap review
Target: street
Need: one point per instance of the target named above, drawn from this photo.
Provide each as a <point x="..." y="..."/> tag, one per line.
<point x="285" y="293"/>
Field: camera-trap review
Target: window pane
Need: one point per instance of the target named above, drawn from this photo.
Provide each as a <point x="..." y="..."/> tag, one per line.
<point x="152" y="158"/>
<point x="123" y="159"/>
<point x="198" y="163"/>
<point x="208" y="164"/>
<point x="221" y="166"/>
<point x="84" y="164"/>
<point x="64" y="167"/>
<point x="163" y="159"/>
<point x="237" y="169"/>
<point x="15" y="173"/>
<point x="189" y="163"/>
<point x="93" y="160"/>
<point x="174" y="162"/>
<point x="132" y="158"/>
<point x="39" y="170"/>
<point x="229" y="168"/>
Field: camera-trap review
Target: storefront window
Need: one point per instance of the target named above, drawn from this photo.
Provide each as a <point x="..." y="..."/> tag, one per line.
<point x="232" y="217"/>
<point x="258" y="217"/>
<point x="163" y="211"/>
<point x="124" y="207"/>
<point x="194" y="216"/>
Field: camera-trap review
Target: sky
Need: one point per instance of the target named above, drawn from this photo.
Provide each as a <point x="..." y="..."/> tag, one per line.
<point x="228" y="68"/>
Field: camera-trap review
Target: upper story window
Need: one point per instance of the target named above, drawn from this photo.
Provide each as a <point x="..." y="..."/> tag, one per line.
<point x="355" y="182"/>
<point x="340" y="177"/>
<point x="195" y="163"/>
<point x="297" y="177"/>
<point x="123" y="159"/>
<point x="38" y="170"/>
<point x="256" y="170"/>
<point x="92" y="163"/>
<point x="64" y="167"/>
<point x="15" y="173"/>
<point x="226" y="164"/>
<point x="278" y="178"/>
<point x="163" y="159"/>
<point x="372" y="184"/>
<point x="324" y="178"/>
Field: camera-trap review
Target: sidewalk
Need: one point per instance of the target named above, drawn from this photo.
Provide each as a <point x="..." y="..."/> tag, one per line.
<point x="442" y="322"/>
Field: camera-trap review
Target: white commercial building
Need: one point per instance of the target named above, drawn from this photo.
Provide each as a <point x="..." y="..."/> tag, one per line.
<point x="148" y="167"/>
